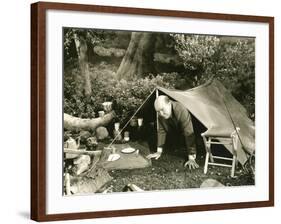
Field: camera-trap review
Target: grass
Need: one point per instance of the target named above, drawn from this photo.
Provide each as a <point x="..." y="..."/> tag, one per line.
<point x="168" y="173"/>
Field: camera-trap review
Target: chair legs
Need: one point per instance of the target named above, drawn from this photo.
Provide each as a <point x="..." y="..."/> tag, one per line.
<point x="233" y="166"/>
<point x="206" y="162"/>
<point x="209" y="160"/>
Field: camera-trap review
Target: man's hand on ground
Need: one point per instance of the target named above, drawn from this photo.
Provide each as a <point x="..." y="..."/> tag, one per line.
<point x="155" y="155"/>
<point x="191" y="164"/>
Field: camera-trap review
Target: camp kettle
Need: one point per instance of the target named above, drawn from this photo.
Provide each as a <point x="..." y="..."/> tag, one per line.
<point x="71" y="143"/>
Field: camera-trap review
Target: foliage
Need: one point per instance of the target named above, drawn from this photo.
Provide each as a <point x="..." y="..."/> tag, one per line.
<point x="91" y="36"/>
<point x="231" y="60"/>
<point x="236" y="69"/>
<point x="126" y="96"/>
<point x="195" y="50"/>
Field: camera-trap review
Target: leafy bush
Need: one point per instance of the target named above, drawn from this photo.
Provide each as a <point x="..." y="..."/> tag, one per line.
<point x="236" y="69"/>
<point x="90" y="36"/>
<point x="195" y="50"/>
<point x="230" y="60"/>
<point x="126" y="96"/>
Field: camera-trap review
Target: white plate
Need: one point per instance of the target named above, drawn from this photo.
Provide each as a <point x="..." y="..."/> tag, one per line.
<point x="113" y="157"/>
<point x="128" y="150"/>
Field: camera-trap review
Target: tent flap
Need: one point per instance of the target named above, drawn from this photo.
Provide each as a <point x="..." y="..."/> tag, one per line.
<point x="214" y="106"/>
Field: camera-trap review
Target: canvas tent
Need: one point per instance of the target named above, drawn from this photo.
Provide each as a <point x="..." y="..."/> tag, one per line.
<point x="216" y="109"/>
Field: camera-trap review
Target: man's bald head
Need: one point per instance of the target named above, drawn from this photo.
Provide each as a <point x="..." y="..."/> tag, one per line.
<point x="163" y="106"/>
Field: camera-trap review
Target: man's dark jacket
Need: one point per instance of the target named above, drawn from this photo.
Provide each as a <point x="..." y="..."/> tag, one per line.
<point x="180" y="120"/>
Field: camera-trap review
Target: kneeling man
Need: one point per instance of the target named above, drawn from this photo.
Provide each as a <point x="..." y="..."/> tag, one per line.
<point x="174" y="117"/>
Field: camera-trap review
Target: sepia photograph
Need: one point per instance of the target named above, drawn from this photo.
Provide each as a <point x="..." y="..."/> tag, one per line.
<point x="140" y="111"/>
<point x="156" y="111"/>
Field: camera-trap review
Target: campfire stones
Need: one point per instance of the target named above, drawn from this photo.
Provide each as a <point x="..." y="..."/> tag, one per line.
<point x="81" y="164"/>
<point x="101" y="133"/>
<point x="211" y="183"/>
<point x="92" y="142"/>
<point x="84" y="136"/>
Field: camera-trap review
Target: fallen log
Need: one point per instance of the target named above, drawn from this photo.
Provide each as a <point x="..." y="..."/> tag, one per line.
<point x="74" y="153"/>
<point x="79" y="152"/>
<point x="75" y="123"/>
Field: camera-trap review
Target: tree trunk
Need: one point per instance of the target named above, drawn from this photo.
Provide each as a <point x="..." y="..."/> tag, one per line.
<point x="82" y="52"/>
<point x="138" y="60"/>
<point x="76" y="123"/>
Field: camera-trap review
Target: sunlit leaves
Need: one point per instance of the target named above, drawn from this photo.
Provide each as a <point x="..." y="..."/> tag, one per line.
<point x="195" y="49"/>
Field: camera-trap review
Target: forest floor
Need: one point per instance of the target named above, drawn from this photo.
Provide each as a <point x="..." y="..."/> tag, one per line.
<point x="168" y="173"/>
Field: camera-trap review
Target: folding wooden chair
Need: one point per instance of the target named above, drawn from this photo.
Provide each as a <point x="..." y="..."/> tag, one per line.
<point x="213" y="137"/>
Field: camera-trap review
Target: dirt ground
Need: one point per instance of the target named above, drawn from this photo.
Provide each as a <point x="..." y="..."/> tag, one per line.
<point x="168" y="173"/>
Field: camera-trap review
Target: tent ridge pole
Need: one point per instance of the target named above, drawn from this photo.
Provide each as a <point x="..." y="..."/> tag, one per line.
<point x="132" y="117"/>
<point x="157" y="124"/>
